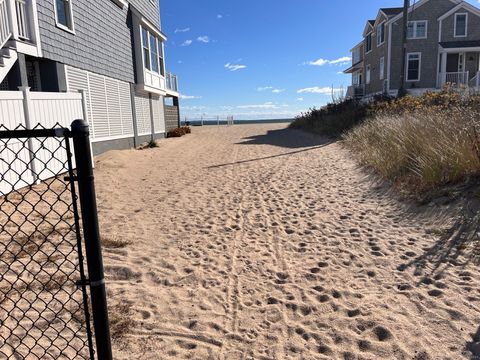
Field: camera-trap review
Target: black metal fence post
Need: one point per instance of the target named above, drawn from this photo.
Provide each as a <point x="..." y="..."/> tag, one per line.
<point x="86" y="187"/>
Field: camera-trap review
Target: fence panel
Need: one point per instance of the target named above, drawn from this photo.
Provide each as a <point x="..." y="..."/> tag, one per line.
<point x="50" y="110"/>
<point x="43" y="297"/>
<point x="44" y="291"/>
<point x="27" y="109"/>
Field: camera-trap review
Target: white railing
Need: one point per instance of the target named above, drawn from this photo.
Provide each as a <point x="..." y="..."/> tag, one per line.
<point x="211" y="120"/>
<point x="475" y="81"/>
<point x="172" y="82"/>
<point x="5" y="31"/>
<point x="356" y="91"/>
<point x="454" y="78"/>
<point x="22" y="19"/>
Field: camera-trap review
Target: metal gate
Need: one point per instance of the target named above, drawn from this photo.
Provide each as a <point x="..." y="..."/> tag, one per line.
<point x="48" y="304"/>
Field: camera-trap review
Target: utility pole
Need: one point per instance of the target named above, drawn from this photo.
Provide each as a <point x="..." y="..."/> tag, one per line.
<point x="406" y="5"/>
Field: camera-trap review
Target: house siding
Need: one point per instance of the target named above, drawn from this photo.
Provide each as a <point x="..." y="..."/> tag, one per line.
<point x="373" y="59"/>
<point x="102" y="42"/>
<point x="149" y="9"/>
<point x="473" y="27"/>
<point x="428" y="47"/>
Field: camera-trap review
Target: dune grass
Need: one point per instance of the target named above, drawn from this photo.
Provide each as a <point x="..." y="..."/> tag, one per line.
<point x="424" y="142"/>
<point x="429" y="141"/>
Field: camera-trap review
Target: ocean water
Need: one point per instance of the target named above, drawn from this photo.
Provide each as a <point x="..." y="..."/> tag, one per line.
<point x="197" y="122"/>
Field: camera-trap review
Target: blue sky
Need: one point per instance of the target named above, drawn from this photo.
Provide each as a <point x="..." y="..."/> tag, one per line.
<point x="262" y="58"/>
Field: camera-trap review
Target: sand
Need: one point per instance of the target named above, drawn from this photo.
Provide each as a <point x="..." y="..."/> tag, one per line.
<point x="258" y="242"/>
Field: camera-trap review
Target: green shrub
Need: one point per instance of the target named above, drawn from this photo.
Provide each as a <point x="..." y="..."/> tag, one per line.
<point x="336" y="118"/>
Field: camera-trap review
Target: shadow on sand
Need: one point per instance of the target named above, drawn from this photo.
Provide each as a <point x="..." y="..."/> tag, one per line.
<point x="286" y="138"/>
<point x="458" y="242"/>
<point x="474" y="346"/>
<point x="283" y="138"/>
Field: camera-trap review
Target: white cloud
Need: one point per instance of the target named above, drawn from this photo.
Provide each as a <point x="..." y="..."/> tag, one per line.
<point x="204" y="39"/>
<point x="300" y="99"/>
<point x="265" y="88"/>
<point x="268" y="88"/>
<point x="189" y="97"/>
<point x="319" y="90"/>
<point x="219" y="16"/>
<point x="342" y="60"/>
<point x="194" y="108"/>
<point x="234" y="67"/>
<point x="321" y="62"/>
<point x="187" y="43"/>
<point x="267" y="105"/>
<point x="182" y="30"/>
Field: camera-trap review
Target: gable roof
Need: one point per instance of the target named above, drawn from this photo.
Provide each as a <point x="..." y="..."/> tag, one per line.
<point x="462" y="5"/>
<point x="391" y="11"/>
<point x="369" y="25"/>
<point x="415" y="6"/>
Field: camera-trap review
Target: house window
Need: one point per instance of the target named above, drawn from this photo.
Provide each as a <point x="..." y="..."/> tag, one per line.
<point x="382" y="68"/>
<point x="154" y="53"/>
<point x="369" y="74"/>
<point x="146" y="49"/>
<point x="417" y="29"/>
<point x="413" y="66"/>
<point x="380" y="34"/>
<point x="64" y="14"/>
<point x="368" y="43"/>
<point x="461" y="21"/>
<point x="160" y="57"/>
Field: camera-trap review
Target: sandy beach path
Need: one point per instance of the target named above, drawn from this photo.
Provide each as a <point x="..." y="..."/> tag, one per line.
<point x="259" y="242"/>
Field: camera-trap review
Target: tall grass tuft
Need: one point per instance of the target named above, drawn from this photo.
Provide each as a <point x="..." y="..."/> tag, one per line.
<point x="430" y="140"/>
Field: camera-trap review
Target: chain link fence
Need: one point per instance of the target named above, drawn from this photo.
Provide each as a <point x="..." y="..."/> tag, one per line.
<point x="44" y="291"/>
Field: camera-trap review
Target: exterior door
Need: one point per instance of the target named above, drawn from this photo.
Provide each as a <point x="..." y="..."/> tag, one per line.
<point x="452" y="63"/>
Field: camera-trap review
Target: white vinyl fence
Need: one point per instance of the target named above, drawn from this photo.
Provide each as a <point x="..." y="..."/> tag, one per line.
<point x="28" y="109"/>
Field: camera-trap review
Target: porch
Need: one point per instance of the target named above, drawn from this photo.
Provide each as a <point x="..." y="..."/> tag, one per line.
<point x="18" y="21"/>
<point x="459" y="64"/>
<point x="356" y="91"/>
<point x="19" y="32"/>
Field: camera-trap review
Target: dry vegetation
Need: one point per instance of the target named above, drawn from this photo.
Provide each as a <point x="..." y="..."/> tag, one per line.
<point x="115" y="242"/>
<point x="179" y="132"/>
<point x="120" y="319"/>
<point x="425" y="142"/>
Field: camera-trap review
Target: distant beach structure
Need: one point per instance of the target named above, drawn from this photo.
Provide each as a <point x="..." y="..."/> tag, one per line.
<point x="209" y="121"/>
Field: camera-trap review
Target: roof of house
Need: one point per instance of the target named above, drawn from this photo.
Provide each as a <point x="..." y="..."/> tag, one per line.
<point x="392" y="11"/>
<point x="460" y="44"/>
<point x="372" y="22"/>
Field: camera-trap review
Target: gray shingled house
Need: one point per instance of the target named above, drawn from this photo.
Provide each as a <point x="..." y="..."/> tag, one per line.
<point x="112" y="50"/>
<point x="443" y="46"/>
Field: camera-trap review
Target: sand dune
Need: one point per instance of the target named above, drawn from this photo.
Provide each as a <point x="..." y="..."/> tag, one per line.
<point x="258" y="242"/>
